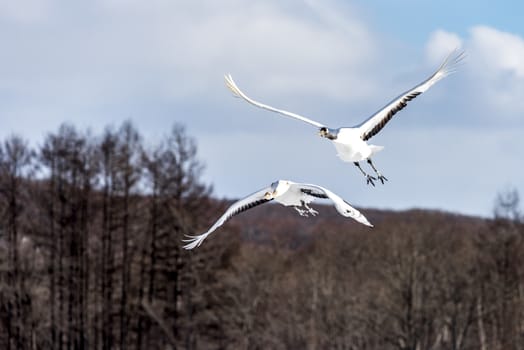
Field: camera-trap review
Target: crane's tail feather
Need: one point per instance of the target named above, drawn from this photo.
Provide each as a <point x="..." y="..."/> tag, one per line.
<point x="194" y="241"/>
<point x="453" y="61"/>
<point x="232" y="86"/>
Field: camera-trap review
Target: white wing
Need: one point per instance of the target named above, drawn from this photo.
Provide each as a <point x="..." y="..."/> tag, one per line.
<point x="230" y="83"/>
<point x="377" y="121"/>
<point x="238" y="207"/>
<point x="343" y="207"/>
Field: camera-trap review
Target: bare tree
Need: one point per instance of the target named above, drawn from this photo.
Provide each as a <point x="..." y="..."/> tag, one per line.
<point x="176" y="199"/>
<point x="500" y="278"/>
<point x="68" y="158"/>
<point x="15" y="166"/>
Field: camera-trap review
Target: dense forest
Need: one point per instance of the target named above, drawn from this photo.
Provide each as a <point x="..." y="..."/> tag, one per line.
<point x="91" y="258"/>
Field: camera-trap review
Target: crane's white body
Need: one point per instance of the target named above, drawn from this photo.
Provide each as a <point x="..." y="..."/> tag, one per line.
<point x="351" y="148"/>
<point x="351" y="142"/>
<point x="287" y="193"/>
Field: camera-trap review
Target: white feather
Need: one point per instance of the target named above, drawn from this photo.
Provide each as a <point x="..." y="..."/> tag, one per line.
<point x="230" y="83"/>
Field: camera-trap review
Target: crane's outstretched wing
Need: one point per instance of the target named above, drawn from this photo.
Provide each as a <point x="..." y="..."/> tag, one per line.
<point x="230" y="83"/>
<point x="343" y="207"/>
<point x="238" y="207"/>
<point x="377" y="121"/>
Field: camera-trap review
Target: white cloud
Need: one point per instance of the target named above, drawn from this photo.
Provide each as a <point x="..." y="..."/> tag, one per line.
<point x="305" y="48"/>
<point x="498" y="52"/>
<point x="24" y="11"/>
<point x="274" y="49"/>
<point x="492" y="78"/>
<point x="497" y="72"/>
<point x="187" y="47"/>
<point x="440" y="44"/>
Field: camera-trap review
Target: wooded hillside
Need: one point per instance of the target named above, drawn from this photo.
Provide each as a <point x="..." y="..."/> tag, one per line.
<point x="91" y="258"/>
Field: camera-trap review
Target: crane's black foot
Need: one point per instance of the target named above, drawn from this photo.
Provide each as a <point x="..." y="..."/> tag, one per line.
<point x="370" y="180"/>
<point x="381" y="177"/>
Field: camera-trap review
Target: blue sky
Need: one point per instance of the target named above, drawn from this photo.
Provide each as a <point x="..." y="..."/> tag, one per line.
<point x="412" y="20"/>
<point x="159" y="62"/>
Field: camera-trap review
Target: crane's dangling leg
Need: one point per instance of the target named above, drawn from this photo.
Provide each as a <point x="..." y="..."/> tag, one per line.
<point x="309" y="209"/>
<point x="302" y="212"/>
<point x="369" y="178"/>
<point x="381" y="177"/>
